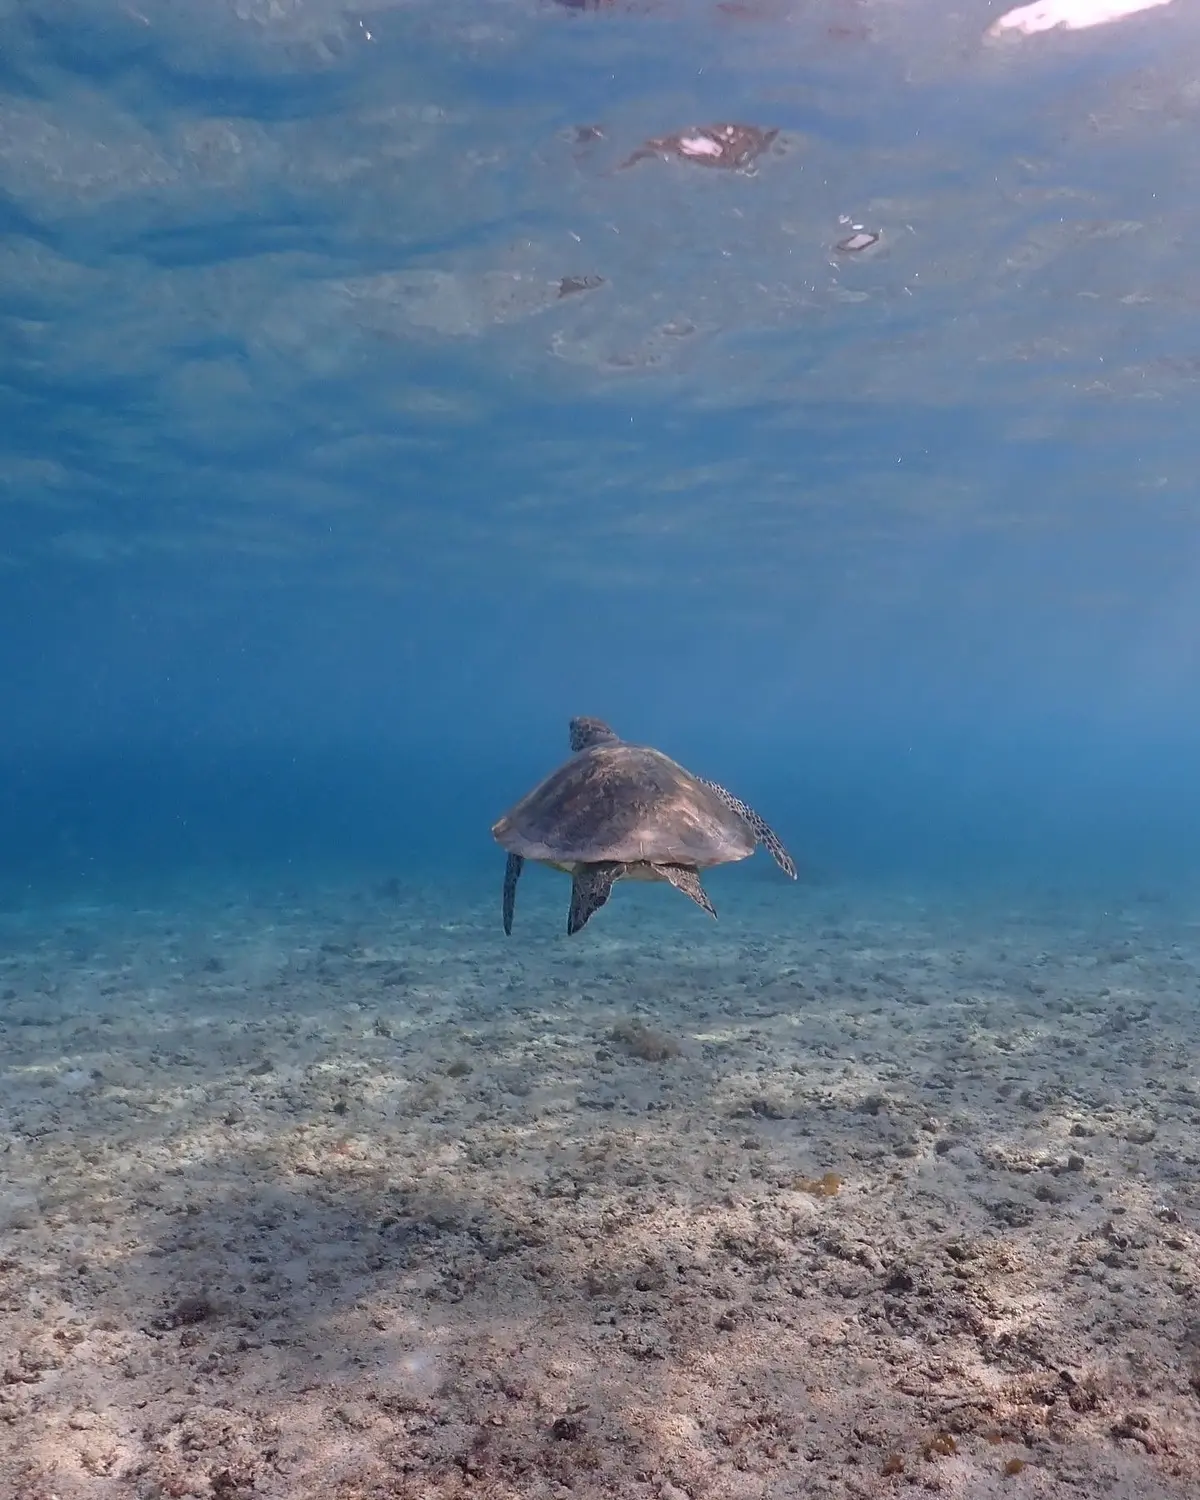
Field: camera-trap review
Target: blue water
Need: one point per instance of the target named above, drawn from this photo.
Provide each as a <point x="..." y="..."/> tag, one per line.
<point x="361" y="421"/>
<point x="324" y="511"/>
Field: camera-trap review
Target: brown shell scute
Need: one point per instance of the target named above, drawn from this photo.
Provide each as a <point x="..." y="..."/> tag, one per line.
<point x="625" y="803"/>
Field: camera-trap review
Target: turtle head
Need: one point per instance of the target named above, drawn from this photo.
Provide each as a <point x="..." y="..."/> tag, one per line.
<point x="587" y="732"/>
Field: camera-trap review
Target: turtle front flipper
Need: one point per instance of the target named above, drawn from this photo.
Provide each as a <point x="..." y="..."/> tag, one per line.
<point x="687" y="880"/>
<point x="763" y="831"/>
<point x="590" y="889"/>
<point x="512" y="873"/>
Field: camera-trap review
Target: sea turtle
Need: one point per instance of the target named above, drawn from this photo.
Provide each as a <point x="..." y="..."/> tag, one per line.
<point x="616" y="811"/>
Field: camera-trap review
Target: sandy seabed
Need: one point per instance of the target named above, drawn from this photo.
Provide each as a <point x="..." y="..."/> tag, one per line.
<point x="852" y="1193"/>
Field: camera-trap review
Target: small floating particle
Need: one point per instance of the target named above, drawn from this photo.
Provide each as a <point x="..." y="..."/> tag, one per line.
<point x="734" y="147"/>
<point x="570" y="285"/>
<point x="862" y="239"/>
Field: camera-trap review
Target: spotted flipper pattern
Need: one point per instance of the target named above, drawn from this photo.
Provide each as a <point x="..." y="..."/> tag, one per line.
<point x="512" y="873"/>
<point x="687" y="880"/>
<point x="763" y="831"/>
<point x="585" y="732"/>
<point x="590" y="889"/>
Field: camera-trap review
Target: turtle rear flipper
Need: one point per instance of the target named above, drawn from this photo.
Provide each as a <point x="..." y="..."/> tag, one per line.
<point x="590" y="889"/>
<point x="687" y="880"/>
<point x="763" y="831"/>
